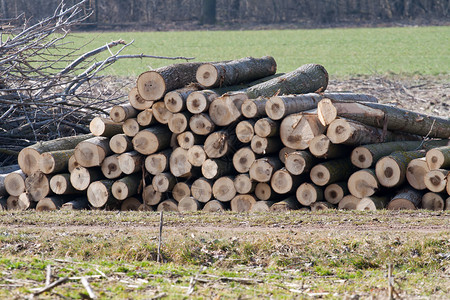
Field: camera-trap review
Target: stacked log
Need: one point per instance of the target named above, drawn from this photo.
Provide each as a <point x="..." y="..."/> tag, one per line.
<point x="232" y="135"/>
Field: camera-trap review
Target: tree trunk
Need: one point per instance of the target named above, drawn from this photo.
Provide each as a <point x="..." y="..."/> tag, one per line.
<point x="283" y="182"/>
<point x="55" y="161"/>
<point x="152" y="140"/>
<point x="82" y="177"/>
<point x="110" y="167"/>
<point x="179" y="163"/>
<point x="436" y="180"/>
<point x="363" y="183"/>
<point x="242" y="203"/>
<point x="76" y="204"/>
<point x="236" y="71"/>
<point x="196" y="155"/>
<point x="92" y="152"/>
<point x="181" y="190"/>
<point x="189" y="204"/>
<point x="126" y="187"/>
<point x="245" y="131"/>
<point x="158" y="162"/>
<point x="202" y="189"/>
<point x="130" y="162"/>
<point x="372" y="203"/>
<point x="409" y="199"/>
<point x="349" y="202"/>
<point x="297" y="130"/>
<point x="60" y="185"/>
<point x="265" y="146"/>
<point x="131" y="127"/>
<point x="14" y="183"/>
<point x="244" y="184"/>
<point x="120" y="143"/>
<point x="164" y="182"/>
<point x="145" y="117"/>
<point x="254" y="108"/>
<point x="188" y="139"/>
<point x="286" y="205"/>
<point x="37" y="185"/>
<point x="176" y="101"/>
<point x="130" y="204"/>
<point x="262" y="169"/>
<point x="243" y="159"/>
<point x="51" y="203"/>
<point x="332" y="171"/>
<point x="168" y="205"/>
<point x="300" y="162"/>
<point x="104" y="127"/>
<point x="161" y="113"/>
<point x="433" y="201"/>
<point x="100" y="195"/>
<point x="308" y="193"/>
<point x="334" y="192"/>
<point x="438" y="158"/>
<point x="214" y="206"/>
<point x="199" y="101"/>
<point x="321" y="147"/>
<point x="179" y="122"/>
<point x="120" y="113"/>
<point x="137" y="101"/>
<point x="215" y="168"/>
<point x="201" y="124"/>
<point x="415" y="173"/>
<point x="150" y="196"/>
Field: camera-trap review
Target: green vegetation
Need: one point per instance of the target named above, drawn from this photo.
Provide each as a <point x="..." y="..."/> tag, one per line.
<point x="344" y="52"/>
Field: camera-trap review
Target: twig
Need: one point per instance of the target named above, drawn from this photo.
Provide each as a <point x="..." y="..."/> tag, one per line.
<point x="50" y="286"/>
<point x="86" y="285"/>
<point x="158" y="258"/>
<point x="48" y="277"/>
<point x="390" y="283"/>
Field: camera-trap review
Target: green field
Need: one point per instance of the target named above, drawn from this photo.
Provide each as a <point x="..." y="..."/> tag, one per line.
<point x="344" y="52"/>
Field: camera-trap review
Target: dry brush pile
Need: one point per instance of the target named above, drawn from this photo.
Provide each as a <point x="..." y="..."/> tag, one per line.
<point x="237" y="135"/>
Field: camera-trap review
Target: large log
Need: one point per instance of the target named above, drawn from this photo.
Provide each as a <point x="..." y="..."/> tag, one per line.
<point x="262" y="169"/>
<point x="321" y="147"/>
<point x="433" y="201"/>
<point x="236" y="71"/>
<point x="176" y="101"/>
<point x="199" y="101"/>
<point x="334" y="192"/>
<point x="126" y="187"/>
<point x="349" y="202"/>
<point x="120" y="113"/>
<point x="332" y="171"/>
<point x="223" y="189"/>
<point x="438" y="158"/>
<point x="308" y="193"/>
<point x="297" y="130"/>
<point x="99" y="194"/>
<point x="436" y="180"/>
<point x="60" y="185"/>
<point x="202" y="189"/>
<point x="110" y="167"/>
<point x="242" y="203"/>
<point x="158" y="162"/>
<point x="152" y="140"/>
<point x="81" y="177"/>
<point x="137" y="101"/>
<point x="164" y="182"/>
<point x="28" y="158"/>
<point x="14" y="183"/>
<point x="150" y="196"/>
<point x="201" y="124"/>
<point x="363" y="183"/>
<point x="283" y="182"/>
<point x="415" y="173"/>
<point x="131" y="162"/>
<point x="181" y="189"/>
<point x="37" y="185"/>
<point x="406" y="199"/>
<point x="179" y="163"/>
<point x="244" y="184"/>
<point x="55" y="161"/>
<point x="299" y="162"/>
<point x="104" y="127"/>
<point x="243" y="159"/>
<point x="120" y="143"/>
<point x="153" y="85"/>
<point x="92" y="152"/>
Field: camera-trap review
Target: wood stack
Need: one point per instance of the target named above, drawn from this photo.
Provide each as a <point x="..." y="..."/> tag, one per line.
<point x="235" y="135"/>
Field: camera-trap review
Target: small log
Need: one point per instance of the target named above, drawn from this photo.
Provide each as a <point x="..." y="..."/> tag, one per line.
<point x="372" y="203"/>
<point x="285" y="205"/>
<point x="72" y="164"/>
<point x="78" y="203"/>
<point x="297" y="130"/>
<point x="223" y="189"/>
<point x="283" y="182"/>
<point x="243" y="159"/>
<point x="14" y="183"/>
<point x="433" y="201"/>
<point x="92" y="152"/>
<point x="196" y="155"/>
<point x="55" y="161"/>
<point x="152" y="140"/>
<point x="104" y="127"/>
<point x="332" y="171"/>
<point x="137" y="101"/>
<point x="176" y="101"/>
<point x="264" y="146"/>
<point x="219" y="144"/>
<point x="349" y="202"/>
<point x="407" y="198"/>
<point x="189" y="204"/>
<point x="334" y="192"/>
<point x="244" y="184"/>
<point x="168" y="206"/>
<point x="181" y="190"/>
<point x="145" y="118"/>
<point x="130" y="204"/>
<point x="50" y="203"/>
<point x="415" y="173"/>
<point x="126" y="187"/>
<point x="158" y="162"/>
<point x="363" y="183"/>
<point x="202" y="189"/>
<point x="262" y="169"/>
<point x="161" y="113"/>
<point x="300" y="162"/>
<point x="110" y="167"/>
<point x="60" y="185"/>
<point x="164" y="182"/>
<point x="321" y="205"/>
<point x="199" y="101"/>
<point x="120" y="113"/>
<point x="215" y="168"/>
<point x="99" y="194"/>
<point x="245" y="131"/>
<point x="308" y="193"/>
<point x="120" y="143"/>
<point x="131" y="127"/>
<point x="153" y="85"/>
<point x="254" y="108"/>
<point x="81" y="177"/>
<point x="150" y="196"/>
<point x="4" y="172"/>
<point x="188" y="139"/>
<point x="214" y="206"/>
<point x="130" y="162"/>
<point x="436" y="180"/>
<point x="284" y="153"/>
<point x="391" y="169"/>
<point x="321" y="147"/>
<point x="262" y="206"/>
<point x="264" y="191"/>
<point x="179" y="163"/>
<point x="267" y="127"/>
<point x="438" y="158"/>
<point x="28" y="158"/>
<point x="21" y="202"/>
<point x="37" y="185"/>
<point x="179" y="122"/>
<point x="242" y="203"/>
<point x="201" y="124"/>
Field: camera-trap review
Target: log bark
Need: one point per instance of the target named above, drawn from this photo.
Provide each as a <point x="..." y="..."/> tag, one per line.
<point x="223" y="189"/>
<point x="168" y="205"/>
<point x="300" y="162"/>
<point x="321" y="147"/>
<point x="244" y="184"/>
<point x="236" y="71"/>
<point x="349" y="202"/>
<point x="407" y="198"/>
<point x="391" y="169"/>
<point x="308" y="193"/>
<point x="189" y="204"/>
<point x="363" y="183"/>
<point x="245" y="131"/>
<point x="120" y="113"/>
<point x="99" y="194"/>
<point x="262" y="169"/>
<point x="120" y="143"/>
<point x="130" y="204"/>
<point x="131" y="127"/>
<point x="104" y="127"/>
<point x="78" y="203"/>
<point x="145" y="118"/>
<point x="196" y="155"/>
<point x="242" y="203"/>
<point x="415" y="173"/>
<point x="179" y="163"/>
<point x="126" y="187"/>
<point x="188" y="139"/>
<point x="179" y="122"/>
<point x="433" y="201"/>
<point x="438" y="158"/>
<point x="214" y="206"/>
<point x="436" y="180"/>
<point x="199" y="101"/>
<point x="164" y="182"/>
<point x="130" y="162"/>
<point x="181" y="190"/>
<point x="92" y="152"/>
<point x="372" y="203"/>
<point x="110" y="167"/>
<point x="254" y="108"/>
<point x="332" y="171"/>
<point x="243" y="159"/>
<point x="201" y="124"/>
<point x="50" y="203"/>
<point x="202" y="189"/>
<point x="176" y="101"/>
<point x="14" y="183"/>
<point x="285" y="205"/>
<point x="152" y="140"/>
<point x="60" y="185"/>
<point x="215" y="168"/>
<point x="137" y="101"/>
<point x="158" y="162"/>
<point x="82" y="177"/>
<point x="161" y="113"/>
<point x="283" y="182"/>
<point x="55" y="161"/>
<point x="265" y="146"/>
<point x="29" y="157"/>
<point x="262" y="206"/>
<point x="334" y="192"/>
<point x="37" y="185"/>
<point x="297" y="130"/>
<point x="150" y="196"/>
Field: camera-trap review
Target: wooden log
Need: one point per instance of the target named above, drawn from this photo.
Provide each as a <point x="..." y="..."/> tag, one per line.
<point x="219" y="144"/>
<point x="265" y="146"/>
<point x="168" y="205"/>
<point x="349" y="132"/>
<point x="37" y="185"/>
<point x="137" y="101"/>
<point x="372" y="203"/>
<point x="300" y="162"/>
<point x="3" y="204"/>
<point x="242" y="203"/>
<point x="436" y="180"/>
<point x="176" y="101"/>
<point x="243" y="159"/>
<point x="284" y="153"/>
<point x="223" y="189"/>
<point x="334" y="192"/>
<point x="226" y="109"/>
<point x="92" y="152"/>
<point x="438" y="158"/>
<point x="196" y="155"/>
<point x="254" y="108"/>
<point x="388" y="117"/>
<point x="391" y="169"/>
<point x="110" y="167"/>
<point x="332" y="171"/>
<point x="447" y="203"/>
<point x="321" y="147"/>
<point x="9" y="169"/>
<point x="60" y="184"/>
<point x="308" y="193"/>
<point x="14" y="183"/>
<point x="126" y="187"/>
<point x="433" y="201"/>
<point x="199" y="101"/>
<point x="181" y="189"/>
<point x="51" y="203"/>
<point x="201" y="124"/>
<point x="130" y="204"/>
<point x="179" y="163"/>
<point x="297" y="130"/>
<point x="188" y="139"/>
<point x="189" y="204"/>
<point x="21" y="202"/>
<point x="415" y="173"/>
<point x="349" y="202"/>
<point x="215" y="168"/>
<point x="131" y="127"/>
<point x="120" y="113"/>
<point x="264" y="191"/>
<point x="285" y="205"/>
<point x="448" y="185"/>
<point x="145" y="118"/>
<point x="321" y="205"/>
<point x="202" y="189"/>
<point x="245" y="131"/>
<point x="152" y="140"/>
<point x="363" y="183"/>
<point x="164" y="182"/>
<point x="72" y="164"/>
<point x="158" y="162"/>
<point x="262" y="206"/>
<point x="262" y="169"/>
<point x="104" y="127"/>
<point x="283" y="182"/>
<point x="55" y="161"/>
<point x="28" y="158"/>
<point x="81" y="177"/>
<point x="130" y="162"/>
<point x="78" y="203"/>
<point x="150" y="196"/>
<point x="153" y="85"/>
<point x="161" y="113"/>
<point x="99" y="194"/>
<point x="267" y="127"/>
<point x="406" y="199"/>
<point x="244" y="184"/>
<point x="214" y="206"/>
<point x="179" y="122"/>
<point x="120" y="143"/>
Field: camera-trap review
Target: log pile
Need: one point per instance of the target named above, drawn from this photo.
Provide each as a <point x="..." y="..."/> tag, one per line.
<point x="235" y="135"/>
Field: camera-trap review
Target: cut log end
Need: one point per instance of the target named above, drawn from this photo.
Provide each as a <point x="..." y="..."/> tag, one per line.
<point x="363" y="183"/>
<point x="388" y="172"/>
<point x="433" y="201"/>
<point x="275" y="108"/>
<point x="151" y="86"/>
<point x="207" y="75"/>
<point x="362" y="158"/>
<point x="320" y="175"/>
